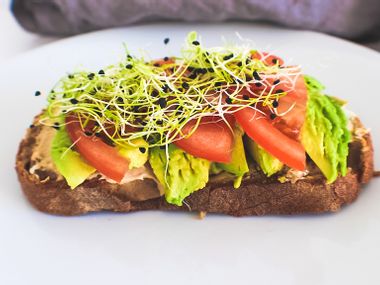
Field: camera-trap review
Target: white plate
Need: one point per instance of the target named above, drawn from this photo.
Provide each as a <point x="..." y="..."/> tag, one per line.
<point x="175" y="248"/>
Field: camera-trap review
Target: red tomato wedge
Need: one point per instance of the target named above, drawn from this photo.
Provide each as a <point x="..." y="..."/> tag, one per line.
<point x="97" y="153"/>
<point x="291" y="107"/>
<point x="261" y="130"/>
<point x="212" y="140"/>
<point x="267" y="58"/>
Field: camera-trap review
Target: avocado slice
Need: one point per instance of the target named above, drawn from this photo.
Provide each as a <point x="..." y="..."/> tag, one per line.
<point x="68" y="162"/>
<point x="238" y="165"/>
<point x="180" y="173"/>
<point x="324" y="134"/>
<point x="267" y="162"/>
<point x="136" y="152"/>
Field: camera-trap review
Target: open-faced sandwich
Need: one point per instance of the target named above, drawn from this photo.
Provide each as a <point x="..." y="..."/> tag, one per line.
<point x="223" y="130"/>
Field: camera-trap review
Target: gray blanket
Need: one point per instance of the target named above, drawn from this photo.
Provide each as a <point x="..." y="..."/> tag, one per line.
<point x="357" y="20"/>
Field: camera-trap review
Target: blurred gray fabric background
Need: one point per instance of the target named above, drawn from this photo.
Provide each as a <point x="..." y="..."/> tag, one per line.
<point x="357" y="20"/>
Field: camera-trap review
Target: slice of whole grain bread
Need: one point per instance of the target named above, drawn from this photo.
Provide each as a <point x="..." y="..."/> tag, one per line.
<point x="258" y="195"/>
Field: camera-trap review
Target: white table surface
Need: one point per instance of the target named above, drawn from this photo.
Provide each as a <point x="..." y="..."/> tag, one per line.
<point x="13" y="38"/>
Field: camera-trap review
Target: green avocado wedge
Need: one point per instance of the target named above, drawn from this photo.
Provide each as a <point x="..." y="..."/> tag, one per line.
<point x="179" y="172"/>
<point x="136" y="152"/>
<point x="238" y="165"/>
<point x="325" y="134"/>
<point x="68" y="162"/>
<point x="267" y="162"/>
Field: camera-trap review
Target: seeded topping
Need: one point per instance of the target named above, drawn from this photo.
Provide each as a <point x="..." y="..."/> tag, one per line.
<point x="158" y="100"/>
<point x="256" y="75"/>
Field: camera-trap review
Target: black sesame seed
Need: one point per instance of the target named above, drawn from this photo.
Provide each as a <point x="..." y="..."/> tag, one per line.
<point x="142" y="149"/>
<point x="154" y="93"/>
<point x="129" y="56"/>
<point x="279" y="91"/>
<point x="256" y="75"/>
<point x="272" y="116"/>
<point x="101" y="72"/>
<point x="70" y="76"/>
<point x="185" y="85"/>
<point x="193" y="75"/>
<point x="258" y="84"/>
<point x="159" y="122"/>
<point x="91" y="76"/>
<point x="196" y="43"/>
<point x="275" y="104"/>
<point x="245" y="97"/>
<point x="227" y="57"/>
<point x="128" y="66"/>
<point x="166" y="58"/>
<point x="190" y="68"/>
<point x="203" y="70"/>
<point x="162" y="102"/>
<point x="74" y="101"/>
<point x="210" y="69"/>
<point x="120" y="100"/>
<point x="37" y="93"/>
<point x="239" y="64"/>
<point x="218" y="84"/>
<point x="228" y="100"/>
<point x="166" y="41"/>
<point x="56" y="126"/>
<point x="277" y="81"/>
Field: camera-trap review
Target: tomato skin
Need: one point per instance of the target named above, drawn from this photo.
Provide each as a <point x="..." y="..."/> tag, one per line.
<point x="261" y="130"/>
<point x="296" y="100"/>
<point x="267" y="58"/>
<point x="212" y="140"/>
<point x="97" y="153"/>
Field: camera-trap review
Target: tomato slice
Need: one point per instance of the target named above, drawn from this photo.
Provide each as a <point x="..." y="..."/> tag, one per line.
<point x="291" y="107"/>
<point x="267" y="58"/>
<point x="261" y="130"/>
<point x="97" y="153"/>
<point x="212" y="140"/>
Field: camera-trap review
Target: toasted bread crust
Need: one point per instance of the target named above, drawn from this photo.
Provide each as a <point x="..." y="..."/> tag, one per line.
<point x="258" y="195"/>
